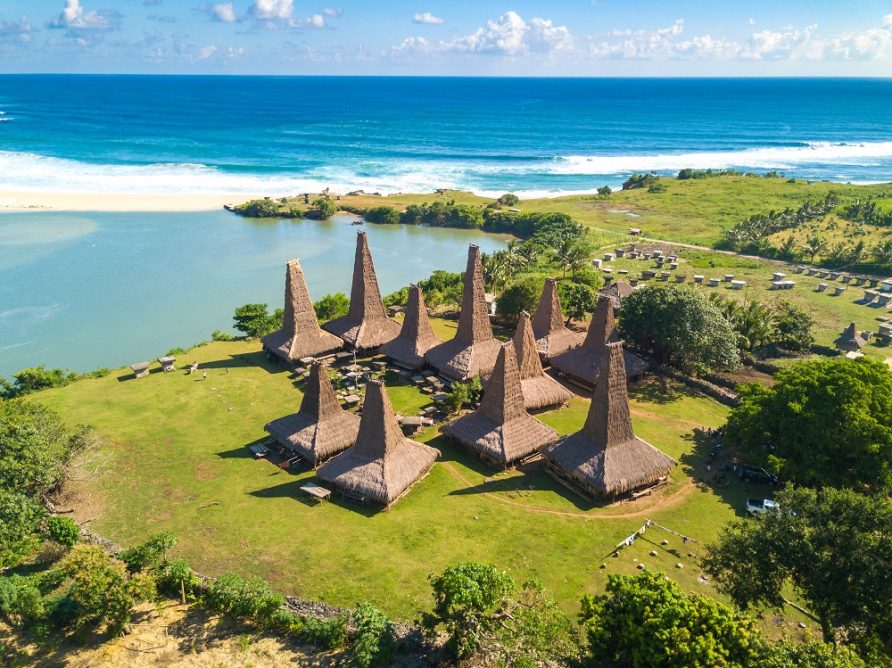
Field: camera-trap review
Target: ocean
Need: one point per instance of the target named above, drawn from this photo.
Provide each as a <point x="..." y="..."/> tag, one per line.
<point x="281" y="135"/>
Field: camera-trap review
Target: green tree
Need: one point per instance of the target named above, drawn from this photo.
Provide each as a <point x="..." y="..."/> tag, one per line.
<point x="150" y="554"/>
<point x="813" y="247"/>
<point x="794" y="327"/>
<point x="39" y="378"/>
<point x="255" y="320"/>
<point x="833" y="546"/>
<point x="648" y="620"/>
<point x="678" y="326"/>
<point x="20" y="516"/>
<point x="331" y="307"/>
<point x="382" y="215"/>
<point x="573" y="253"/>
<point x="373" y="641"/>
<point x="823" y="423"/>
<point x="604" y="192"/>
<point x="521" y="296"/>
<point x="577" y="300"/>
<point x="810" y="654"/>
<point x="323" y="209"/>
<point x="508" y="199"/>
<point x="63" y="530"/>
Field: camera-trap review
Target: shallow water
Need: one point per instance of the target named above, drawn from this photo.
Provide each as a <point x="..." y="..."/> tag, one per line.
<point x="83" y="291"/>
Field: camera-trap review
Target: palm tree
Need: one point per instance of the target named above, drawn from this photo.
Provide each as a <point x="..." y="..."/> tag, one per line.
<point x="812" y="246"/>
<point x="882" y="252"/>
<point x="754" y="325"/>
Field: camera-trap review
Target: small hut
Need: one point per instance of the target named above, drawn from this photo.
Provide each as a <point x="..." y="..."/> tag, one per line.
<point x="321" y="428"/>
<point x="552" y="335"/>
<point x="384" y="464"/>
<point x="616" y="292"/>
<point x="366" y="325"/>
<point x="416" y="336"/>
<point x="850" y="340"/>
<point x="474" y="349"/>
<point x="606" y="459"/>
<point x="300" y="335"/>
<point x="539" y="390"/>
<point x="583" y="364"/>
<point x="501" y="432"/>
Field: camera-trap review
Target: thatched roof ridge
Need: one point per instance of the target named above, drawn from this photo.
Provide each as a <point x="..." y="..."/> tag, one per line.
<point x="583" y="364"/>
<point x="552" y="335"/>
<point x="321" y="428"/>
<point x="474" y="349"/>
<point x="383" y="464"/>
<point x="850" y="340"/>
<point x="366" y="325"/>
<point x="300" y="335"/>
<point x="539" y="390"/>
<point x="616" y="292"/>
<point x="416" y="335"/>
<point x="605" y="457"/>
<point x="501" y="431"/>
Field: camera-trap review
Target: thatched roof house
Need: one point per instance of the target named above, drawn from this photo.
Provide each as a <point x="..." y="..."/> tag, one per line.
<point x="383" y="464"/>
<point x="552" y="335"/>
<point x="616" y="292"/>
<point x="850" y="340"/>
<point x="321" y="428"/>
<point x="366" y="325"/>
<point x="501" y="431"/>
<point x="539" y="390"/>
<point x="416" y="336"/>
<point x="474" y="348"/>
<point x="605" y="458"/>
<point x="583" y="364"/>
<point x="300" y="335"/>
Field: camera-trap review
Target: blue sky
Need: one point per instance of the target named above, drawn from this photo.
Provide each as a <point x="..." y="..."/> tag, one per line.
<point x="450" y="37"/>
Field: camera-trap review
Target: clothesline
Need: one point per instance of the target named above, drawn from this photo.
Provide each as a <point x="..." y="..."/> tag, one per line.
<point x="631" y="538"/>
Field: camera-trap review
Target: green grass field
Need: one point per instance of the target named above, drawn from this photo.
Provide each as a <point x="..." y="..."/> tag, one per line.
<point x="174" y="458"/>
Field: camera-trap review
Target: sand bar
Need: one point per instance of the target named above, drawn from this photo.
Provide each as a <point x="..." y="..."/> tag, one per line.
<point x="80" y="201"/>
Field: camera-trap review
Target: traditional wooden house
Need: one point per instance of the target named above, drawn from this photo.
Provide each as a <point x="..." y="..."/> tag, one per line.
<point x="539" y="389"/>
<point x="552" y="335"/>
<point x="416" y="336"/>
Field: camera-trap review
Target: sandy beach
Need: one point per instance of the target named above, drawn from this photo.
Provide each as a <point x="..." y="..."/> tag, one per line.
<point x="80" y="201"/>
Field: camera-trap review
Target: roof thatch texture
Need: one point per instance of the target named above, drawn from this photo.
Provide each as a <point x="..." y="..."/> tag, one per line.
<point x="605" y="458"/>
<point x="616" y="292"/>
<point x="366" y="326"/>
<point x="321" y="428"/>
<point x="501" y="431"/>
<point x="539" y="390"/>
<point x="583" y="364"/>
<point x="383" y="464"/>
<point x="850" y="340"/>
<point x="552" y="335"/>
<point x="301" y="335"/>
<point x="474" y="349"/>
<point x="416" y="336"/>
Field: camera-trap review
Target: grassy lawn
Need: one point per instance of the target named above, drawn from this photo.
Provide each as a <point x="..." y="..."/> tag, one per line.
<point x="174" y="458"/>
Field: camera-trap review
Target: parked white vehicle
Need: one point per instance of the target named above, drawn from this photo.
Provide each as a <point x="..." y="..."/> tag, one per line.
<point x="754" y="506"/>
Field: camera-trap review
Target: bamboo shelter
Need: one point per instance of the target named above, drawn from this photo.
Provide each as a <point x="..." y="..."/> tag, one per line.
<point x="416" y="336"/>
<point x="501" y="432"/>
<point x="539" y="390"/>
<point x="583" y="364"/>
<point x="383" y="464"/>
<point x="552" y="335"/>
<point x="474" y="349"/>
<point x="366" y="325"/>
<point x="605" y="459"/>
<point x="850" y="340"/>
<point x="300" y="335"/>
<point x="321" y="428"/>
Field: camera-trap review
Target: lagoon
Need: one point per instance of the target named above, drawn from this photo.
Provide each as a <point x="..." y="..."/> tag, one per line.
<point x="83" y="291"/>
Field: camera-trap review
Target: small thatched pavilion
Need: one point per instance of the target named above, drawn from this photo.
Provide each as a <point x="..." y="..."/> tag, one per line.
<point x="416" y="336"/>
<point x="366" y="326"/>
<point x="583" y="364"/>
<point x="606" y="459"/>
<point x="552" y="335"/>
<point x="321" y="428"/>
<point x="474" y="349"/>
<point x="539" y="390"/>
<point x="850" y="340"/>
<point x="300" y="335"/>
<point x="384" y="464"/>
<point x="501" y="432"/>
<point x="616" y="292"/>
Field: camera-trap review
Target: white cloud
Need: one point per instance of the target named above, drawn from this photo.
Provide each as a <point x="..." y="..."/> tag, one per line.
<point x="428" y="19"/>
<point x="206" y="52"/>
<point x="870" y="44"/>
<point x="75" y="18"/>
<point x="223" y="12"/>
<point x="640" y="43"/>
<point x="272" y="10"/>
<point x="775" y="45"/>
<point x="751" y="21"/>
<point x="333" y="12"/>
<point x="15" y="32"/>
<point x="511" y="35"/>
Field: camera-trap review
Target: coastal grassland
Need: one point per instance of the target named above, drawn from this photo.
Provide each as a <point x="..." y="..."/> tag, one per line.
<point x="174" y="459"/>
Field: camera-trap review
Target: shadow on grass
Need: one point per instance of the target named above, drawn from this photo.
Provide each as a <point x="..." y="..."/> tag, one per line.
<point x="241" y="452"/>
<point x="291" y="490"/>
<point x="656" y="390"/>
<point x="256" y="359"/>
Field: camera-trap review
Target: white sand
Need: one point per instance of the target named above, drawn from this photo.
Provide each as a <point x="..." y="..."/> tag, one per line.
<point x="62" y="201"/>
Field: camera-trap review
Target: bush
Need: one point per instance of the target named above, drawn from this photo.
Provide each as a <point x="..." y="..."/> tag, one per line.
<point x="398" y="298"/>
<point x="441" y="214"/>
<point x="249" y="599"/>
<point x="442" y="288"/>
<point x="323" y="209"/>
<point x="149" y="555"/>
<point x="521" y="296"/>
<point x="656" y="187"/>
<point x="794" y="327"/>
<point x="39" y="378"/>
<point x="605" y="191"/>
<point x="260" y="208"/>
<point x="382" y="215"/>
<point x="464" y="393"/>
<point x="220" y="335"/>
<point x="20" y="599"/>
<point x="640" y="181"/>
<point x="508" y="199"/>
<point x="373" y="641"/>
<point x="331" y="307"/>
<point x="325" y="633"/>
<point x="178" y="578"/>
<point x="63" y="530"/>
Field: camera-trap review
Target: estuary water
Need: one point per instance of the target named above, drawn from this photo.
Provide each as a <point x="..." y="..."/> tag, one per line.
<point x="83" y="291"/>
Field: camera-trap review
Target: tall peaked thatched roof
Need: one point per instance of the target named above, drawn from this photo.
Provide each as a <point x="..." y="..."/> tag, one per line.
<point x="583" y="364"/>
<point x="605" y="458"/>
<point x="383" y="464"/>
<point x="850" y="340"/>
<point x="416" y="336"/>
<point x="300" y="335"/>
<point x="539" y="390"/>
<point x="366" y="325"/>
<point x="321" y="428"/>
<point x="616" y="292"/>
<point x="474" y="349"/>
<point x="552" y="335"/>
<point x="501" y="431"/>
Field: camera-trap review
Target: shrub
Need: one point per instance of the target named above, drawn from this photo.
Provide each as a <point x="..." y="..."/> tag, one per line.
<point x="521" y="296"/>
<point x="260" y="208"/>
<point x="373" y="641"/>
<point x="794" y="327"/>
<point x="177" y="578"/>
<point x="149" y="555"/>
<point x="63" y="530"/>
<point x="20" y="599"/>
<point x="323" y="209"/>
<point x="656" y="187"/>
<point x="325" y="633"/>
<point x="509" y="199"/>
<point x="250" y="599"/>
<point x="220" y="335"/>
<point x="174" y="352"/>
<point x="382" y="215"/>
<point x="605" y="191"/>
<point x="640" y="181"/>
<point x="39" y="378"/>
<point x="331" y="307"/>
